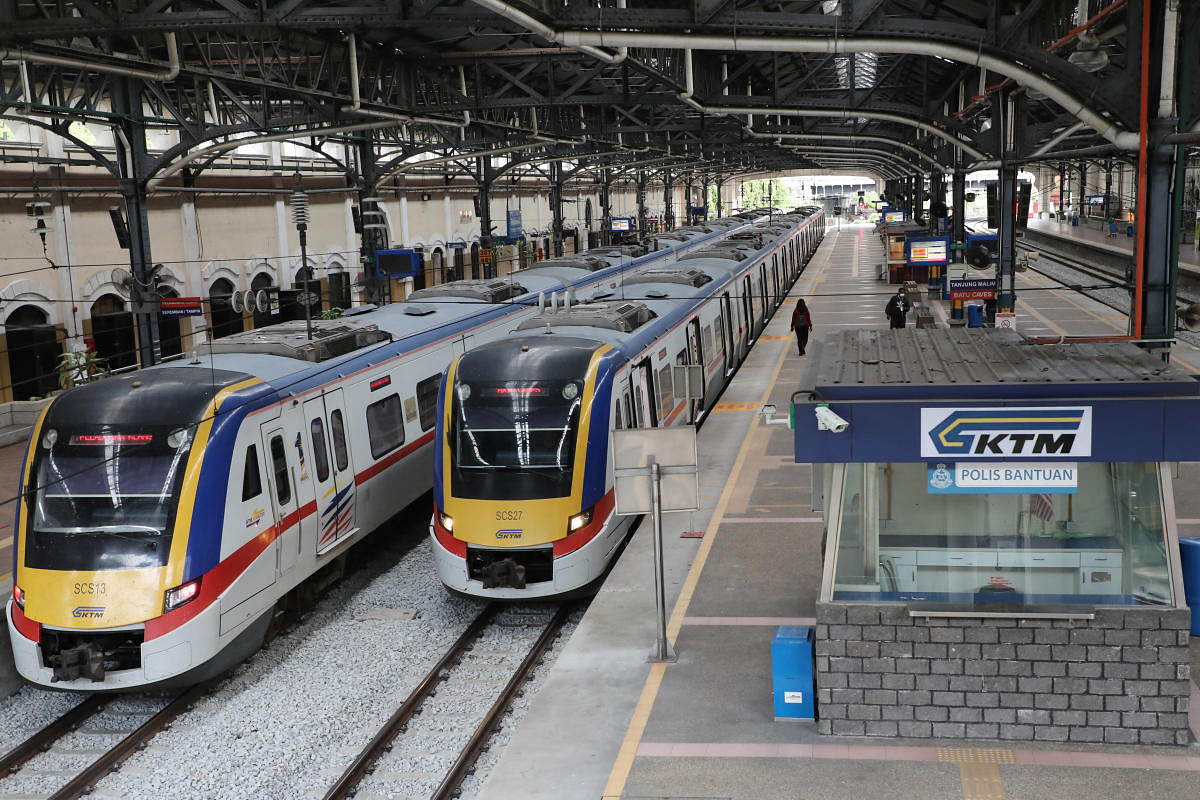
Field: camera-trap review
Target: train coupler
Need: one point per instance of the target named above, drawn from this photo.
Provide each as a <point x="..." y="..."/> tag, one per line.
<point x="504" y="574"/>
<point x="83" y="661"/>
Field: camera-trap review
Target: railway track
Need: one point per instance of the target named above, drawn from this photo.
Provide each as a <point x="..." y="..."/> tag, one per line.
<point x="477" y="667"/>
<point x="66" y="758"/>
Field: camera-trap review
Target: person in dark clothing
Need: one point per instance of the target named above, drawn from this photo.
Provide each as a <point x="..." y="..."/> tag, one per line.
<point x="801" y="324"/>
<point x="897" y="310"/>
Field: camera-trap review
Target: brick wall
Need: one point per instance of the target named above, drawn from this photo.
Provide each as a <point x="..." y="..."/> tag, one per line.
<point x="1122" y="677"/>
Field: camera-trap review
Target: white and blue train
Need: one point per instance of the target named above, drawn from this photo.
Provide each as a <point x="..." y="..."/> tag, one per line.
<point x="523" y="490"/>
<point x="167" y="512"/>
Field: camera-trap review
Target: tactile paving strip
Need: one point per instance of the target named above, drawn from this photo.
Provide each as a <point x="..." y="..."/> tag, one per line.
<point x="976" y="755"/>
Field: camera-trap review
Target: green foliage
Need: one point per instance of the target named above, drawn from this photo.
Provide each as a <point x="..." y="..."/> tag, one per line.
<point x="6" y="134"/>
<point x="78" y="368"/>
<point x="713" y="196"/>
<point x="764" y="193"/>
<point x="332" y="313"/>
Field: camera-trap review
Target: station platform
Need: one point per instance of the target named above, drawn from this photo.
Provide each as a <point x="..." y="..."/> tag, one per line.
<point x="1119" y="244"/>
<point x="609" y="724"/>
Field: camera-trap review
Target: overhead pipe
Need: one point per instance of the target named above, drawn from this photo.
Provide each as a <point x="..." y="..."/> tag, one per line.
<point x="169" y="73"/>
<point x="1126" y="140"/>
<point x="830" y="137"/>
<point x="689" y="90"/>
<point x="533" y="25"/>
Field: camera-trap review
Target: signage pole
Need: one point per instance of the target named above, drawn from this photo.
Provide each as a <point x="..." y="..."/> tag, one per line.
<point x="662" y="649"/>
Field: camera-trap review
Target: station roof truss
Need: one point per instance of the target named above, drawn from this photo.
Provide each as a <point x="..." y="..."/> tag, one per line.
<point x="620" y="89"/>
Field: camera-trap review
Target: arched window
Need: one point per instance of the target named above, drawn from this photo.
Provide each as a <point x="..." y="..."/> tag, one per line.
<point x="33" y="353"/>
<point x="314" y="289"/>
<point x="170" y="338"/>
<point x="262" y="282"/>
<point x="474" y="273"/>
<point x="113" y="332"/>
<point x="225" y="320"/>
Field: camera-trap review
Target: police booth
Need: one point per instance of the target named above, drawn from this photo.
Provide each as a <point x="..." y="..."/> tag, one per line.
<point x="1002" y="512"/>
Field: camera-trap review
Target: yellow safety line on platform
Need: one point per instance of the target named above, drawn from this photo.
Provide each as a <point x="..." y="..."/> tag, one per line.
<point x="641" y="714"/>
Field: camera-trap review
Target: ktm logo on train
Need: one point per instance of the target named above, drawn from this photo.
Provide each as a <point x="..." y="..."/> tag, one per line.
<point x="1039" y="432"/>
<point x="88" y="612"/>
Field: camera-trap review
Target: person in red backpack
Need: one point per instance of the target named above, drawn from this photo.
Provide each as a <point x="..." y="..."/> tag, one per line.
<point x="801" y="324"/>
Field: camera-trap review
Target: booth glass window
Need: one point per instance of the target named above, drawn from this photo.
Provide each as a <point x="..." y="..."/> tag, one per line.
<point x="898" y="536"/>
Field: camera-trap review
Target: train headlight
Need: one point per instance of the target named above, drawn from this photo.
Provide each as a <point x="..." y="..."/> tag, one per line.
<point x="49" y="438"/>
<point x="176" y="438"/>
<point x="570" y="391"/>
<point x="446" y="521"/>
<point x="580" y="520"/>
<point x="19" y="597"/>
<point x="181" y="595"/>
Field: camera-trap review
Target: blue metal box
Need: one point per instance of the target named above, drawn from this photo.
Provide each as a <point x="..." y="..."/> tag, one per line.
<point x="792" y="672"/>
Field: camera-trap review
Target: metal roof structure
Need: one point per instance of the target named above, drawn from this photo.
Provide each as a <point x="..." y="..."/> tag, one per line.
<point x="709" y="88"/>
<point x="969" y="363"/>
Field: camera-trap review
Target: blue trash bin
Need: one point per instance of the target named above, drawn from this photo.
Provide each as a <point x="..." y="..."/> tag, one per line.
<point x="792" y="672"/>
<point x="974" y="315"/>
<point x="1129" y="230"/>
<point x="1189" y="561"/>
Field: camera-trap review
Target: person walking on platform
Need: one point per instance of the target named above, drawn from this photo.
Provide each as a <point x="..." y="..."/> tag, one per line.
<point x="897" y="310"/>
<point x="801" y="324"/>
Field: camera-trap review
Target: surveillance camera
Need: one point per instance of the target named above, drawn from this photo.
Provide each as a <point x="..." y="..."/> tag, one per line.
<point x="829" y="421"/>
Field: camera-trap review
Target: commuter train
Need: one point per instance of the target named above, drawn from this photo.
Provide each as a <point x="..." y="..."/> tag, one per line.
<point x="523" y="481"/>
<point x="166" y="513"/>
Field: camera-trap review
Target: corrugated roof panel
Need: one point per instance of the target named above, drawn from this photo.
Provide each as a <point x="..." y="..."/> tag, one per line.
<point x="996" y="363"/>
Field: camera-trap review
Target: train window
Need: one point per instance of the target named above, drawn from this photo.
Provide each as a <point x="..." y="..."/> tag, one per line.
<point x="385" y="425"/>
<point x="708" y="339"/>
<point x="320" y="451"/>
<point x="283" y="488"/>
<point x="427" y="391"/>
<point x="251" y="480"/>
<point x="337" y="429"/>
<point x="619" y="424"/>
<point x="666" y="391"/>
<point x="719" y="333"/>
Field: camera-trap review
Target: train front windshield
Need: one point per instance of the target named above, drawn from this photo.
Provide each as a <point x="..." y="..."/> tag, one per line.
<point x="514" y="440"/>
<point x="104" y="499"/>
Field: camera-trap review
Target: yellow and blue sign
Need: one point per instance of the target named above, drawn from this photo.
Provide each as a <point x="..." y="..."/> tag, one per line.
<point x="1033" y="432"/>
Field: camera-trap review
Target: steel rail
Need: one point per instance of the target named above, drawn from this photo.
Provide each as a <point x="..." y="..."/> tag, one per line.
<point x="491" y="722"/>
<point x="85" y="781"/>
<point x="47" y="736"/>
<point x="380" y="743"/>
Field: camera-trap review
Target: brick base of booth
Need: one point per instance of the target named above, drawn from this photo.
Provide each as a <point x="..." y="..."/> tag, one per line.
<point x="1120" y="678"/>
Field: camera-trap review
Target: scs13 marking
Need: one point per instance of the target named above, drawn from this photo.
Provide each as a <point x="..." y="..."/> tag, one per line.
<point x="90" y="588"/>
<point x="508" y="534"/>
<point x="510" y="516"/>
<point x="88" y="612"/>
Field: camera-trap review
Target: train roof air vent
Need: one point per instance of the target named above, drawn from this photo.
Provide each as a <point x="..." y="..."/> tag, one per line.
<point x="620" y="316"/>
<point x="418" y="309"/>
<point x="330" y="339"/>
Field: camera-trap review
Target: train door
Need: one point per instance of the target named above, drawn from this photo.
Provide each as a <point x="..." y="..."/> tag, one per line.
<point x="747" y="313"/>
<point x="762" y="285"/>
<point x="330" y="470"/>
<point x="775" y="285"/>
<point x="643" y="395"/>
<point x="727" y="322"/>
<point x="282" y="473"/>
<point x="695" y="355"/>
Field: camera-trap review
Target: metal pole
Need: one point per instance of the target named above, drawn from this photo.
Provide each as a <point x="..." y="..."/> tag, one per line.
<point x="300" y="217"/>
<point x="662" y="648"/>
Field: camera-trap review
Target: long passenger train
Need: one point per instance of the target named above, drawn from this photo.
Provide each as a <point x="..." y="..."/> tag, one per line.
<point x="523" y="481"/>
<point x="165" y="513"/>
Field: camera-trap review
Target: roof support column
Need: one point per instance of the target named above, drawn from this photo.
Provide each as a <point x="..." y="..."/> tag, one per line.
<point x="958" y="200"/>
<point x="668" y="201"/>
<point x="377" y="288"/>
<point x="1007" y="119"/>
<point x="720" y="201"/>
<point x="133" y="164"/>
<point x="641" y="203"/>
<point x="605" y="207"/>
<point x="484" y="179"/>
<point x="1158" y="208"/>
<point x="556" y="208"/>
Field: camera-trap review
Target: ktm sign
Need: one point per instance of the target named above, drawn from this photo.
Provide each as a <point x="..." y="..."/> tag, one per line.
<point x="1062" y="433"/>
